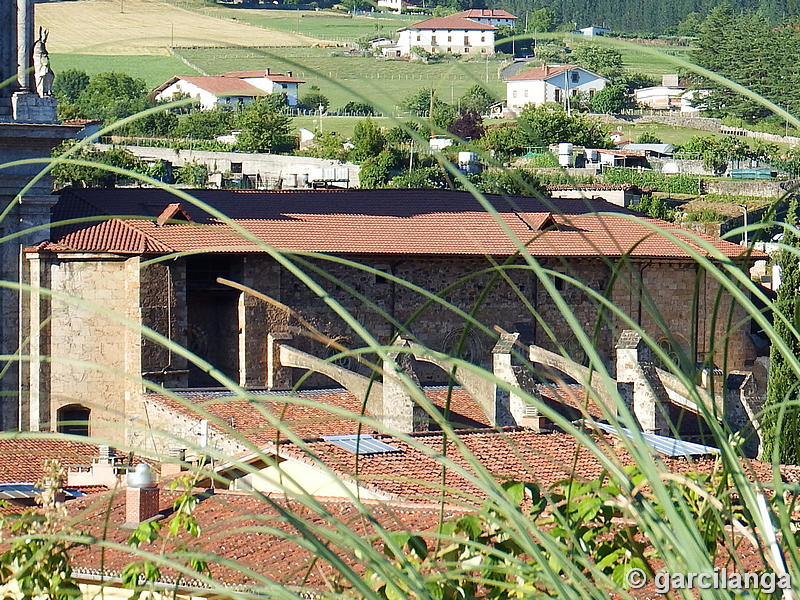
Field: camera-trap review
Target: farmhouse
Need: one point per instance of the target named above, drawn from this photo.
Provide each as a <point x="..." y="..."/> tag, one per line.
<point x="452" y="35"/>
<point x="431" y="239"/>
<point x="489" y="16"/>
<point x="550" y="83"/>
<point x="230" y="89"/>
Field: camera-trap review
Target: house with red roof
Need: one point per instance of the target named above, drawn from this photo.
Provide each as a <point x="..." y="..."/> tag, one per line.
<point x="550" y="83"/>
<point x="490" y="16"/>
<point x="453" y="34"/>
<point x="230" y="89"/>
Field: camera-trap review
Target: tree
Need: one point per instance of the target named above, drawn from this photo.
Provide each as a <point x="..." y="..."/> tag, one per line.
<point x="69" y="84"/>
<point x="422" y="178"/>
<point x="113" y="96"/>
<point x="512" y="182"/>
<point x="541" y="20"/>
<point x="205" y="124"/>
<point x="359" y="108"/>
<point x="690" y="25"/>
<point x="264" y="128"/>
<point x="192" y="174"/>
<point x="504" y="141"/>
<point x="476" y="99"/>
<point x="781" y="424"/>
<point x="367" y="139"/>
<point x="648" y="137"/>
<point x="598" y="59"/>
<point x="375" y="171"/>
<point x="549" y="124"/>
<point x="469" y="126"/>
<point x="328" y="144"/>
<point x="158" y="124"/>
<point x="609" y="100"/>
<point x="313" y="99"/>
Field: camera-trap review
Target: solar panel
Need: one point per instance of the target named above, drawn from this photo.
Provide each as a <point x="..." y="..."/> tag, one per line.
<point x="26" y="491"/>
<point x="664" y="445"/>
<point x="360" y="444"/>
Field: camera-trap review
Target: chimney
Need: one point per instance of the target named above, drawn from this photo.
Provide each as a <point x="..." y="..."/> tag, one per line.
<point x="174" y="464"/>
<point x="267" y="71"/>
<point x="141" y="495"/>
<point x="289" y="73"/>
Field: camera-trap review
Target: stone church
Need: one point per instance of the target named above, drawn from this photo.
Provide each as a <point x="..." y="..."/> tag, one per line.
<point x="28" y="131"/>
<point x="145" y="273"/>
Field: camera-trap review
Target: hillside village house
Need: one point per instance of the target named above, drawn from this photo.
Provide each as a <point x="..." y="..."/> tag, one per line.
<point x="489" y="16"/>
<point x="550" y="83"/>
<point x="230" y="89"/>
<point x="453" y="35"/>
<point x="672" y="94"/>
<point x="430" y="238"/>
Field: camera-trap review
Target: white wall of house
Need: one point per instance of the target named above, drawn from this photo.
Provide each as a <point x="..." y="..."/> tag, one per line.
<point x="538" y="91"/>
<point x="206" y="98"/>
<point x="273" y="87"/>
<point x="454" y="41"/>
<point x="496" y="21"/>
<point x="392" y="5"/>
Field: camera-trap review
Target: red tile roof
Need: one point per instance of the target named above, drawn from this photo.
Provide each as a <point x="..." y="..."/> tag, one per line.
<point x="359" y="222"/>
<point x="242" y="533"/>
<point x="247" y="418"/>
<point x="543" y="72"/>
<point x="219" y="86"/>
<point x="485" y="13"/>
<point x="21" y="460"/>
<point x="266" y="73"/>
<point x="451" y="22"/>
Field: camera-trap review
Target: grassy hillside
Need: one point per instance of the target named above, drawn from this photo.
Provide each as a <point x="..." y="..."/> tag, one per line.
<point x="155" y="70"/>
<point x="342" y="78"/>
<point x="147" y="27"/>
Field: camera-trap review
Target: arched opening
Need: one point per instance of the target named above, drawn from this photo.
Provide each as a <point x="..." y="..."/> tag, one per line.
<point x="73" y="419"/>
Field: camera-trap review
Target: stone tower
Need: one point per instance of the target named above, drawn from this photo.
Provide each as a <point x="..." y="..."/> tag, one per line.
<point x="28" y="130"/>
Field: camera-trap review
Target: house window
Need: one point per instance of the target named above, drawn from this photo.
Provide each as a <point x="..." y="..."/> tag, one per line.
<point x="419" y="37"/>
<point x="236" y="167"/>
<point x="575" y="77"/>
<point x="591" y="93"/>
<point x="574" y="92"/>
<point x="73" y="419"/>
<point x="558" y="95"/>
<point x="466" y="50"/>
<point x="449" y="38"/>
<point x="526" y="93"/>
<point x="483" y="38"/>
<point x="466" y="40"/>
<point x="514" y="94"/>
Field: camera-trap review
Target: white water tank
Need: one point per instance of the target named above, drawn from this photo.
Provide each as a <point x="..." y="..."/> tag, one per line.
<point x="565" y="154"/>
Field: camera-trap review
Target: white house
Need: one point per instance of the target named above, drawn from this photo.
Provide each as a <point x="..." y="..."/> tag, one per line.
<point x="453" y="34"/>
<point x="672" y="94"/>
<point x="592" y="31"/>
<point x="496" y="17"/>
<point x="230" y="89"/>
<point x="550" y="83"/>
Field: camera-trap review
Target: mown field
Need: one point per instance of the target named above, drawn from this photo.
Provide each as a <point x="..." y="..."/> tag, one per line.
<point x="147" y="27"/>
<point x="382" y="83"/>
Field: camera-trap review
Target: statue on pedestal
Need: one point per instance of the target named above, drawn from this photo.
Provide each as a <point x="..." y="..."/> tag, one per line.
<point x="42" y="72"/>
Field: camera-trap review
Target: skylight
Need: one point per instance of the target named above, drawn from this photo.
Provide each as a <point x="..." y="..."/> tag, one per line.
<point x="360" y="444"/>
<point x="664" y="445"/>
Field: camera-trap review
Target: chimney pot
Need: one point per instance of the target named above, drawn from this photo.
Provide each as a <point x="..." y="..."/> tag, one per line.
<point x="141" y="495"/>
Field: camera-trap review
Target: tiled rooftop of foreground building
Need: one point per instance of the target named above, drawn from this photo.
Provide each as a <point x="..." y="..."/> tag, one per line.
<point x="414" y="471"/>
<point x="22" y="459"/>
<point x="243" y="528"/>
<point x="247" y="418"/>
<point x="364" y="222"/>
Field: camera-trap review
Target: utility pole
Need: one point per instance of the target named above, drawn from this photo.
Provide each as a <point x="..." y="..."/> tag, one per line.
<point x="566" y="93"/>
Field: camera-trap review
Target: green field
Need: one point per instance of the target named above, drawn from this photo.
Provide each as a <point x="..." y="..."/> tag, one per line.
<point x="155" y="70"/>
<point x="654" y="64"/>
<point x="342" y="125"/>
<point x="382" y="83"/>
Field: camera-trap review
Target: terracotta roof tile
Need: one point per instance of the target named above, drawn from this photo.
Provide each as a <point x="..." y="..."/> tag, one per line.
<point x="485" y="13"/>
<point x="357" y="222"/>
<point x="543" y="72"/>
<point x="219" y="86"/>
<point x="450" y="22"/>
<point x="253" y="532"/>
<point x="21" y="460"/>
<point x="276" y="77"/>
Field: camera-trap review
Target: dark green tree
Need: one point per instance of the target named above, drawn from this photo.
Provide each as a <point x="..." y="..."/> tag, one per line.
<point x="205" y="124"/>
<point x="609" y="100"/>
<point x="264" y="128"/>
<point x="367" y="139"/>
<point x="69" y="84"/>
<point x="376" y="171"/>
<point x="476" y="98"/>
<point x="313" y="99"/>
<point x="598" y="59"/>
<point x="781" y="428"/>
<point x="550" y="124"/>
<point x="648" y="137"/>
<point x="113" y="96"/>
<point x="359" y="108"/>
